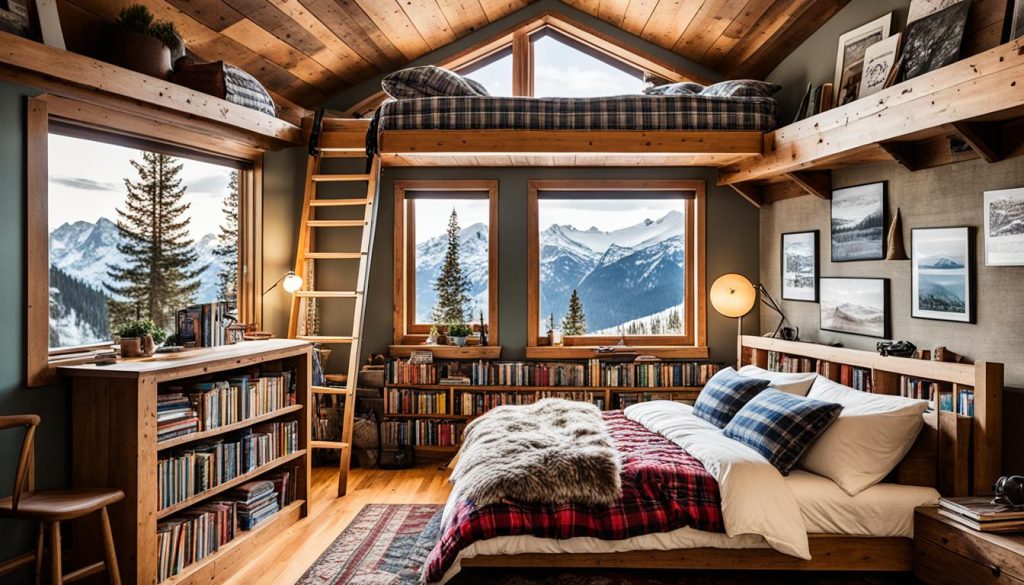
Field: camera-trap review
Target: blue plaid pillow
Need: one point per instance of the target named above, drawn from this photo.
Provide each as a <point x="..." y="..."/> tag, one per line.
<point x="781" y="426"/>
<point x="724" y="395"/>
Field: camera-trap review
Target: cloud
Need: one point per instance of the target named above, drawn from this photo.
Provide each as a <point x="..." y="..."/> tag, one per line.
<point x="86" y="184"/>
<point x="210" y="185"/>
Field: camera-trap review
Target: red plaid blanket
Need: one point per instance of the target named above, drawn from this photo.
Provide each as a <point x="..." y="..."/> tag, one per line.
<point x="663" y="488"/>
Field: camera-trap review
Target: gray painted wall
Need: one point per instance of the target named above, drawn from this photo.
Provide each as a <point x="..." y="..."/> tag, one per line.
<point x="50" y="403"/>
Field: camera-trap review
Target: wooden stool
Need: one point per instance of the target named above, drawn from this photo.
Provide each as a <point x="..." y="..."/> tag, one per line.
<point x="50" y="508"/>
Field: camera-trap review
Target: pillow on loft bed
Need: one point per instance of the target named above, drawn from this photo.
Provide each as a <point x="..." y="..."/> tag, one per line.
<point x="724" y="395"/>
<point x="794" y="383"/>
<point x="742" y="88"/>
<point x="681" y="88"/>
<point x="868" y="440"/>
<point x="781" y="426"/>
<point x="430" y="81"/>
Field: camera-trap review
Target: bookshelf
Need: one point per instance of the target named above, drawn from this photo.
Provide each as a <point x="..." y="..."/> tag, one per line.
<point x="114" y="438"/>
<point x="966" y="429"/>
<point x="417" y="397"/>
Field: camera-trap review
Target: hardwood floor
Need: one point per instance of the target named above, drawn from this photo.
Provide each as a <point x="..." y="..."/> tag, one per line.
<point x="285" y="558"/>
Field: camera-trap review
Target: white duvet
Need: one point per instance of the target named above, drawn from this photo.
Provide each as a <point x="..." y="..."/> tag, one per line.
<point x="760" y="507"/>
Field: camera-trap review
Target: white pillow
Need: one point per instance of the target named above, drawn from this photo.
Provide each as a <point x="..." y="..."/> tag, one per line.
<point x="871" y="436"/>
<point x="792" y="383"/>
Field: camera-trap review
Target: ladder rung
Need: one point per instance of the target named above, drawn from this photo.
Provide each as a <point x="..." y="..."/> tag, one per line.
<point x="326" y="338"/>
<point x="340" y="178"/>
<point x="329" y="390"/>
<point x="336" y="223"/>
<point x="337" y="202"/>
<point x="343" y="152"/>
<point x="328" y="445"/>
<point x="334" y="255"/>
<point x="328" y="294"/>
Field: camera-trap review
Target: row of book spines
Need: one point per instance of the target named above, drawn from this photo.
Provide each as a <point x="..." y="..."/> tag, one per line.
<point x="476" y="404"/>
<point x="183" y="475"/>
<point x="406" y="401"/>
<point x="628" y="399"/>
<point x="219" y="408"/>
<point x="432" y="433"/>
<point x="781" y="362"/>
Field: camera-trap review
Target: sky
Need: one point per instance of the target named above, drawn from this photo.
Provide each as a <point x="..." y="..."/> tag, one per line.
<point x="604" y="214"/>
<point x="87" y="182"/>
<point x="432" y="215"/>
<point x="560" y="71"/>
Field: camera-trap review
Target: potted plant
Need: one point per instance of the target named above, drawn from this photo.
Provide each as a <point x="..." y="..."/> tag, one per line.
<point x="140" y="44"/>
<point x="139" y="337"/>
<point x="458" y="332"/>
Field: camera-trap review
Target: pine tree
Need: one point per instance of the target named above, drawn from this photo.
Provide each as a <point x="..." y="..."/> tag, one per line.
<point x="227" y="245"/>
<point x="452" y="285"/>
<point x="675" y="323"/>
<point x="575" y="321"/>
<point x="159" y="276"/>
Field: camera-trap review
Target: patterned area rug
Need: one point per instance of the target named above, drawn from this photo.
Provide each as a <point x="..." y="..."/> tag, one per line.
<point x="386" y="544"/>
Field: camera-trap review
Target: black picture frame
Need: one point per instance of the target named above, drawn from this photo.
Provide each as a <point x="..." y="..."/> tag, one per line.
<point x="823" y="306"/>
<point x="817" y="264"/>
<point x="970" y="306"/>
<point x="877" y="251"/>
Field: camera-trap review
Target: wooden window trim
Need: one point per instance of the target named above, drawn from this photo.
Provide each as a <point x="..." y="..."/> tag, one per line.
<point x="696" y="311"/>
<point x="407" y="332"/>
<point x="39" y="113"/>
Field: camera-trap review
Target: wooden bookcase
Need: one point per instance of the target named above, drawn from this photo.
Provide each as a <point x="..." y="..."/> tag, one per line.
<point x="114" y="443"/>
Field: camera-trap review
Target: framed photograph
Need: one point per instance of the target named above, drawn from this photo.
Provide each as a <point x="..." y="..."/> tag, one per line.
<point x="933" y="36"/>
<point x="1004" y="227"/>
<point x="859" y="306"/>
<point x="850" y="58"/>
<point x="858" y="223"/>
<point x="940" y="274"/>
<point x="1016" y="18"/>
<point x="800" y="266"/>
<point x="879" y="61"/>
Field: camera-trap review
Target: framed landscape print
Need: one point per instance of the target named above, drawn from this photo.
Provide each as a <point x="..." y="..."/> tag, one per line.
<point x="1004" y="227"/>
<point x="858" y="223"/>
<point x="800" y="266"/>
<point x="850" y="58"/>
<point x="855" y="305"/>
<point x="935" y="30"/>
<point x="940" y="278"/>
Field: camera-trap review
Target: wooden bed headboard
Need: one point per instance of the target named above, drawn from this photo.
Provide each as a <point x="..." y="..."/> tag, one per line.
<point x="958" y="455"/>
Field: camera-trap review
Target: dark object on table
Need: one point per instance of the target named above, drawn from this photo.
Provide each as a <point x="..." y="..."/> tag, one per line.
<point x="1009" y="491"/>
<point x="170" y="349"/>
<point x="790" y="333"/>
<point x="896" y="348"/>
<point x="224" y="81"/>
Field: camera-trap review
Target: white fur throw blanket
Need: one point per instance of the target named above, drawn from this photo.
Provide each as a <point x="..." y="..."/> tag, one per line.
<point x="551" y="452"/>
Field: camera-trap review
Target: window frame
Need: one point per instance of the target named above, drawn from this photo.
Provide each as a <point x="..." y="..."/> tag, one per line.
<point x="694" y="342"/>
<point x="98" y="119"/>
<point x="406" y="330"/>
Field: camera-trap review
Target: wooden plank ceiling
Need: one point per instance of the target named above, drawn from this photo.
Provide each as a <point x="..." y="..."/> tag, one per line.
<point x="306" y="50"/>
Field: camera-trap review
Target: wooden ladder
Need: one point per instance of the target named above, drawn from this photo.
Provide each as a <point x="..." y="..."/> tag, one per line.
<point x="305" y="253"/>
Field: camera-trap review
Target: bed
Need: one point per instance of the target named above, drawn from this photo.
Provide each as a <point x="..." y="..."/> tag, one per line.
<point x="743" y="513"/>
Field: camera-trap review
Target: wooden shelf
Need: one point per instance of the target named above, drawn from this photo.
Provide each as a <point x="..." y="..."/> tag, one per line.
<point x="165" y="512"/>
<point x="579" y="352"/>
<point x="437" y="448"/>
<point x="184" y="439"/>
<point x="83" y="78"/>
<point x="976" y="98"/>
<point x="450" y="352"/>
<point x="471" y="388"/>
<point x="241" y="547"/>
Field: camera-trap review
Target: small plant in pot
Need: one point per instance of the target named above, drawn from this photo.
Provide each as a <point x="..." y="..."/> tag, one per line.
<point x="140" y="44"/>
<point x="139" y="337"/>
<point x="458" y="332"/>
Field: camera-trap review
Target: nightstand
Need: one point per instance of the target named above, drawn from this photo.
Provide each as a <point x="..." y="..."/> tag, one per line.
<point x="946" y="553"/>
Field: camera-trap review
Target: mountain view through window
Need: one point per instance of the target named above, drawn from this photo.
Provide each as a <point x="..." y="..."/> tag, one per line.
<point x="623" y="259"/>
<point x="135" y="234"/>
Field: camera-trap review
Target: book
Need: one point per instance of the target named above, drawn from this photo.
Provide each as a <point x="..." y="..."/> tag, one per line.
<point x="981" y="509"/>
<point x="1003" y="526"/>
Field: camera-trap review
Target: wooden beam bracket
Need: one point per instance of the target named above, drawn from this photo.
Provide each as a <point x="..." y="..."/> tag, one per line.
<point x="983" y="138"/>
<point x="751" y="192"/>
<point x="817" y="183"/>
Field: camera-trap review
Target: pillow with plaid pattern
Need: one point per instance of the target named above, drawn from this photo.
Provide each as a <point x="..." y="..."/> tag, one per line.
<point x="781" y="426"/>
<point x="429" y="81"/>
<point x="681" y="88"/>
<point x="742" y="88"/>
<point x="724" y="395"/>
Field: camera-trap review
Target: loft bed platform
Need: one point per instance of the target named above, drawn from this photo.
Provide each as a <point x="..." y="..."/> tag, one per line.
<point x="978" y="100"/>
<point x="345" y="137"/>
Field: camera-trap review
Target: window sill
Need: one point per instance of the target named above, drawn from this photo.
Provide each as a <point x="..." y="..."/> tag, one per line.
<point x="450" y="352"/>
<point x="590" y="351"/>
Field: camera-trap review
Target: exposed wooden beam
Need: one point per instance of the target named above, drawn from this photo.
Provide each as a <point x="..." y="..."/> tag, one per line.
<point x="817" y="183"/>
<point x="752" y="193"/>
<point x="982" y="137"/>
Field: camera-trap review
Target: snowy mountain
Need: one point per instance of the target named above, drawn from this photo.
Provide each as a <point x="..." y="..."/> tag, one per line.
<point x="473" y="256"/>
<point x="939" y="262"/>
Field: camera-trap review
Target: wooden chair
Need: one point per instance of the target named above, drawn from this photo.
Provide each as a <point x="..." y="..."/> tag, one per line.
<point x="50" y="508"/>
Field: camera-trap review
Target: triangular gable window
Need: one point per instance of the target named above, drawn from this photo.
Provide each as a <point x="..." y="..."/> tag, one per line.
<point x="565" y="67"/>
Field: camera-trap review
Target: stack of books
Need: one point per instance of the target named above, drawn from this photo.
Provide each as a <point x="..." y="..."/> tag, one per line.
<point x="193" y="535"/>
<point x="982" y="514"/>
<point x="204" y="325"/>
<point x="257" y="501"/>
<point x="174" y="416"/>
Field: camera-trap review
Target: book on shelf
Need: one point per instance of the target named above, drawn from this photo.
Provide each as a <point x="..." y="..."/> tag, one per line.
<point x="780" y="362"/>
<point x="421" y="432"/>
<point x="175" y="416"/>
<point x="203" y="325"/>
<point x="455" y="381"/>
<point x="625" y="399"/>
<point x="257" y="501"/>
<point x="410" y="401"/>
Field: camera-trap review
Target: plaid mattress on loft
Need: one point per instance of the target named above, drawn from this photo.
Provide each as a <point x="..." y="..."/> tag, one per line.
<point x="663" y="488"/>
